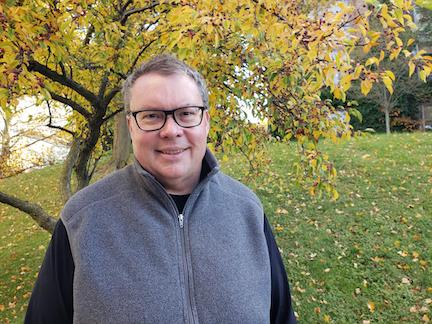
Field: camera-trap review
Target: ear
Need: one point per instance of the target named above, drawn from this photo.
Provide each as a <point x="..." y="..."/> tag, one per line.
<point x="129" y="121"/>
<point x="206" y="118"/>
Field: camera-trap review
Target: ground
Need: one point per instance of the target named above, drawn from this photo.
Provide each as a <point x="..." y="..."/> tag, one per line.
<point x="365" y="258"/>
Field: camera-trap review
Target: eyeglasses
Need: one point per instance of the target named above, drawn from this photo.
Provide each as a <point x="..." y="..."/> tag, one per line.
<point x="152" y="120"/>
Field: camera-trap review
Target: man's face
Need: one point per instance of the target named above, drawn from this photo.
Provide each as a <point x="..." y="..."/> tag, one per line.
<point x="173" y="154"/>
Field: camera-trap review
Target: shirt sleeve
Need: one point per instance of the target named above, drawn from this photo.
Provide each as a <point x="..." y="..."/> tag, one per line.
<point x="281" y="311"/>
<point x="51" y="299"/>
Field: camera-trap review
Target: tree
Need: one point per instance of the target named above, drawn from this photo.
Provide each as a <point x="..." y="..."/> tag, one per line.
<point x="269" y="55"/>
<point x="397" y="71"/>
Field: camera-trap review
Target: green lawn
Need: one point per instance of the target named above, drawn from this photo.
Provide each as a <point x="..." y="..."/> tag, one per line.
<point x="366" y="257"/>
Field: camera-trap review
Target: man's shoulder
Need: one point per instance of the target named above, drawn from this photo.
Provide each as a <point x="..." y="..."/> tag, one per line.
<point x="112" y="185"/>
<point x="235" y="188"/>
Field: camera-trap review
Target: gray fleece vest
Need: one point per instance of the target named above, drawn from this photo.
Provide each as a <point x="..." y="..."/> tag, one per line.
<point x="138" y="260"/>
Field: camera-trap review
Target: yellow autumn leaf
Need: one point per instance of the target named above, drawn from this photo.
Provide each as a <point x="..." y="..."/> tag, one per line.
<point x="371" y="61"/>
<point x="337" y="93"/>
<point x="335" y="194"/>
<point x="422" y="75"/>
<point x="411" y="68"/>
<point x="390" y="74"/>
<point x="410" y="41"/>
<point x="346" y="82"/>
<point x="371" y="306"/>
<point x="366" y="86"/>
<point x="388" y="83"/>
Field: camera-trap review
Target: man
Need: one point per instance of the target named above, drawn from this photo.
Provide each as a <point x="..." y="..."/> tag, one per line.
<point x="169" y="239"/>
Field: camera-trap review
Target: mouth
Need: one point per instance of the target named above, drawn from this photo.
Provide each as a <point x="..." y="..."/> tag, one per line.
<point x="171" y="151"/>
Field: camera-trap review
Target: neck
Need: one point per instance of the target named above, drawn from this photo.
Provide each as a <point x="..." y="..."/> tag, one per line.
<point x="181" y="186"/>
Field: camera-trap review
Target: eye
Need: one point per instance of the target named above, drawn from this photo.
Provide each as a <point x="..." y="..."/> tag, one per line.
<point x="150" y="115"/>
<point x="188" y="112"/>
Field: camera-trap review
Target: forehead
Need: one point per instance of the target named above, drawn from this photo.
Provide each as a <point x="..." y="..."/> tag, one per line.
<point x="164" y="91"/>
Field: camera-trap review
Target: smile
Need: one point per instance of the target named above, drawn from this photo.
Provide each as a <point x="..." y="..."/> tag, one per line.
<point x="172" y="151"/>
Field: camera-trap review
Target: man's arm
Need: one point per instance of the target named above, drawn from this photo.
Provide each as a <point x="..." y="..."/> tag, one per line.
<point x="281" y="311"/>
<point x="51" y="299"/>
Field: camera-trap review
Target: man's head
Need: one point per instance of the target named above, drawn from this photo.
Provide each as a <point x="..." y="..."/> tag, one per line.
<point x="164" y="65"/>
<point x="153" y="94"/>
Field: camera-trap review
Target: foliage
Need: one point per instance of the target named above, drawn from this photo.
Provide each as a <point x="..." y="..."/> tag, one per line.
<point x="272" y="57"/>
<point x="365" y="257"/>
<point x="25" y="142"/>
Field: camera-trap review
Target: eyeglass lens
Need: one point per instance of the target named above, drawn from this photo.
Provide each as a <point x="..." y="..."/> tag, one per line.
<point x="155" y="119"/>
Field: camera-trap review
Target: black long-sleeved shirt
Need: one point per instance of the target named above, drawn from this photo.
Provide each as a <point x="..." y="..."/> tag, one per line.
<point x="52" y="297"/>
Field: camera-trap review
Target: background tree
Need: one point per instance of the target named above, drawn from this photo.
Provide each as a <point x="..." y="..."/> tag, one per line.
<point x="400" y="93"/>
<point x="270" y="56"/>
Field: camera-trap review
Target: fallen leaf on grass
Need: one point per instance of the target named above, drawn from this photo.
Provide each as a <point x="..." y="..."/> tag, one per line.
<point x="424" y="309"/>
<point x="426" y="318"/>
<point x="327" y="319"/>
<point x="371" y="306"/>
<point x="406" y="281"/>
<point x="301" y="290"/>
<point x="279" y="228"/>
<point x="2" y="307"/>
<point x="377" y="259"/>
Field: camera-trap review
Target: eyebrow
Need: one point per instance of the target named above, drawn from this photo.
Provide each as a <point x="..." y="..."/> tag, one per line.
<point x="169" y="109"/>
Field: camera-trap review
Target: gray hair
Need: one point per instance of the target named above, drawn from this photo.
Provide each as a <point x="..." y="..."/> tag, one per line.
<point x="166" y="65"/>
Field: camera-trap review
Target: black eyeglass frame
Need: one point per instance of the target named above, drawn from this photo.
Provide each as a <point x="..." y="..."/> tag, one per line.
<point x="166" y="113"/>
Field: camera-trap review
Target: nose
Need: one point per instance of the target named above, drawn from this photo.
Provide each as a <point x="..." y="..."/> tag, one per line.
<point x="171" y="128"/>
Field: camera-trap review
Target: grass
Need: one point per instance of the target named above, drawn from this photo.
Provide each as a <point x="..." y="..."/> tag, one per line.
<point x="366" y="257"/>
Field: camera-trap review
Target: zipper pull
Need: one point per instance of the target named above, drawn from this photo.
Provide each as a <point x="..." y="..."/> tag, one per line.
<point x="181" y="219"/>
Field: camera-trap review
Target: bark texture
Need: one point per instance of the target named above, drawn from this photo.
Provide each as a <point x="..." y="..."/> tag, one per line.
<point x="44" y="220"/>
<point x="122" y="145"/>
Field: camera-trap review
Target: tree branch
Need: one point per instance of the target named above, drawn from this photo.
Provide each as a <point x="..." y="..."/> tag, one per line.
<point x="89" y="34"/>
<point x="36" y="212"/>
<point x="32" y="143"/>
<point x="62" y="67"/>
<point x="139" y="55"/>
<point x="112" y="114"/>
<point x="63" y="80"/>
<point x="110" y="96"/>
<point x="68" y="102"/>
<point x="127" y="14"/>
<point x="56" y="127"/>
<point x="124" y="7"/>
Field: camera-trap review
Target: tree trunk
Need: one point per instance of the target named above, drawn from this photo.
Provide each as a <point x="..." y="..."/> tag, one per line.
<point x="423" y="118"/>
<point x="121" y="145"/>
<point x="387" y="104"/>
<point x="387" y="118"/>
<point x="36" y="212"/>
<point x="68" y="166"/>
<point x="83" y="169"/>
<point x="5" y="150"/>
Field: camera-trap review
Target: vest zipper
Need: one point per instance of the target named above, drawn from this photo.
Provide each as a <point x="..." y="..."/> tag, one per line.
<point x="190" y="313"/>
<point x="181" y="220"/>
